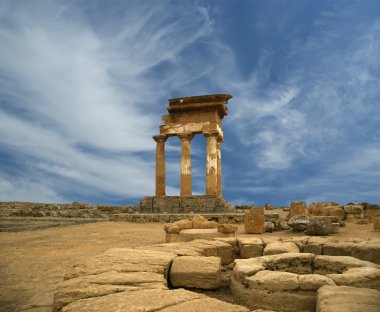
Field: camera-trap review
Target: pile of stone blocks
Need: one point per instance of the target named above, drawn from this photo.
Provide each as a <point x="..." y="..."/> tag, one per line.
<point x="294" y="279"/>
<point x="197" y="228"/>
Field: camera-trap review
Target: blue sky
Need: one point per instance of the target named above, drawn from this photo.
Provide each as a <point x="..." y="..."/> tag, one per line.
<point x="83" y="85"/>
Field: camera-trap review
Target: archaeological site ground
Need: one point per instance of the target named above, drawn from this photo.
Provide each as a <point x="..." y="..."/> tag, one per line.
<point x="190" y="252"/>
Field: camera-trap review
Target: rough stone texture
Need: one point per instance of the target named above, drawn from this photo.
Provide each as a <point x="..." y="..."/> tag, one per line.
<point x="372" y="214"/>
<point x="315" y="206"/>
<point x="338" y="249"/>
<point x="254" y="221"/>
<point x="265" y="282"/>
<point x="171" y="228"/>
<point x="250" y="247"/>
<point x="196" y="272"/>
<point x="313" y="281"/>
<point x="354" y="209"/>
<point x="288" y="262"/>
<point x="184" y="224"/>
<point x="338" y="264"/>
<point x="299" y="222"/>
<point x="298" y="208"/>
<point x="273" y="281"/>
<point x="319" y="227"/>
<point x="227" y="217"/>
<point x="184" y="204"/>
<point x="336" y="211"/>
<point x="280" y="247"/>
<point x="300" y="241"/>
<point x="200" y="222"/>
<point x="227" y="228"/>
<point x="367" y="250"/>
<point x="338" y="299"/>
<point x="134" y="301"/>
<point x="269" y="227"/>
<point x="367" y="277"/>
<point x="274" y="218"/>
<point x="205" y="305"/>
<point x="191" y="234"/>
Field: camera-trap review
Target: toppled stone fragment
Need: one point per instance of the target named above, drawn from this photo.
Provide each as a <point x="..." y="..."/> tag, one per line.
<point x="196" y="272"/>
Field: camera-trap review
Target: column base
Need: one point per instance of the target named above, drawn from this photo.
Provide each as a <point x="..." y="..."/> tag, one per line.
<point x="185" y="204"/>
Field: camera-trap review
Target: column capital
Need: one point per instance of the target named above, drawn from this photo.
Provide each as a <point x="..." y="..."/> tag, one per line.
<point x="187" y="136"/>
<point x="220" y="139"/>
<point x="160" y="138"/>
<point x="211" y="134"/>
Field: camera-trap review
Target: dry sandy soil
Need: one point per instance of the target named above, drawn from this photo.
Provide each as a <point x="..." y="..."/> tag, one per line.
<point x="32" y="263"/>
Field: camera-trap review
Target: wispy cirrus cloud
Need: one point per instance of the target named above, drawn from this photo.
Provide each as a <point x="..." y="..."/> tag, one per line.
<point x="80" y="92"/>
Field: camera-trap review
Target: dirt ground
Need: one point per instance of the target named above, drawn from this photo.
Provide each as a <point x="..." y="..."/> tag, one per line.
<point x="32" y="263"/>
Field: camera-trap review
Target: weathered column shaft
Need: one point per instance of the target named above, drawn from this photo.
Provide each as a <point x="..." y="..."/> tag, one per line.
<point x="160" y="165"/>
<point x="219" y="164"/>
<point x="211" y="164"/>
<point x="186" y="179"/>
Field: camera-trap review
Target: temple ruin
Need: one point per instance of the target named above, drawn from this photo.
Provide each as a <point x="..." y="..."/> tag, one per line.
<point x="187" y="117"/>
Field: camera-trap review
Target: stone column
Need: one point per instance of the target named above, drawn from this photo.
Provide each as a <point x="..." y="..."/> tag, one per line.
<point x="186" y="184"/>
<point x="219" y="164"/>
<point x="211" y="163"/>
<point x="160" y="164"/>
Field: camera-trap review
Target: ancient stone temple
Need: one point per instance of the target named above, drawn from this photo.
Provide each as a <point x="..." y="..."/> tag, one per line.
<point x="187" y="117"/>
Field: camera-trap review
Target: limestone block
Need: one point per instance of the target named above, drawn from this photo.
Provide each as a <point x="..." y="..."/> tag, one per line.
<point x="250" y="247"/>
<point x="367" y="250"/>
<point x="171" y="228"/>
<point x="298" y="208"/>
<point x="353" y="209"/>
<point x="251" y="251"/>
<point x="338" y="264"/>
<point x="285" y="301"/>
<point x="312" y="248"/>
<point x="343" y="298"/>
<point x="319" y="227"/>
<point x="254" y="221"/>
<point x="247" y="267"/>
<point x="273" y="281"/>
<point x="106" y="283"/>
<point x="298" y="240"/>
<point x="230" y="240"/>
<point x="299" y="222"/>
<point x="299" y="263"/>
<point x="314" y="281"/>
<point x="336" y="211"/>
<point x="338" y="249"/>
<point x="269" y="226"/>
<point x="372" y="214"/>
<point x="205" y="304"/>
<point x="144" y="300"/>
<point x="124" y="260"/>
<point x="280" y="247"/>
<point x="191" y="234"/>
<point x="227" y="228"/>
<point x="216" y="248"/>
<point x="172" y="237"/>
<point x="200" y="222"/>
<point x="184" y="224"/>
<point x="197" y="272"/>
<point x="367" y="277"/>
<point x="274" y="218"/>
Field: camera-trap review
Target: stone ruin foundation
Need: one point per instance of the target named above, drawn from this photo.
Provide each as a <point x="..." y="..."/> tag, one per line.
<point x="261" y="273"/>
<point x="187" y="117"/>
